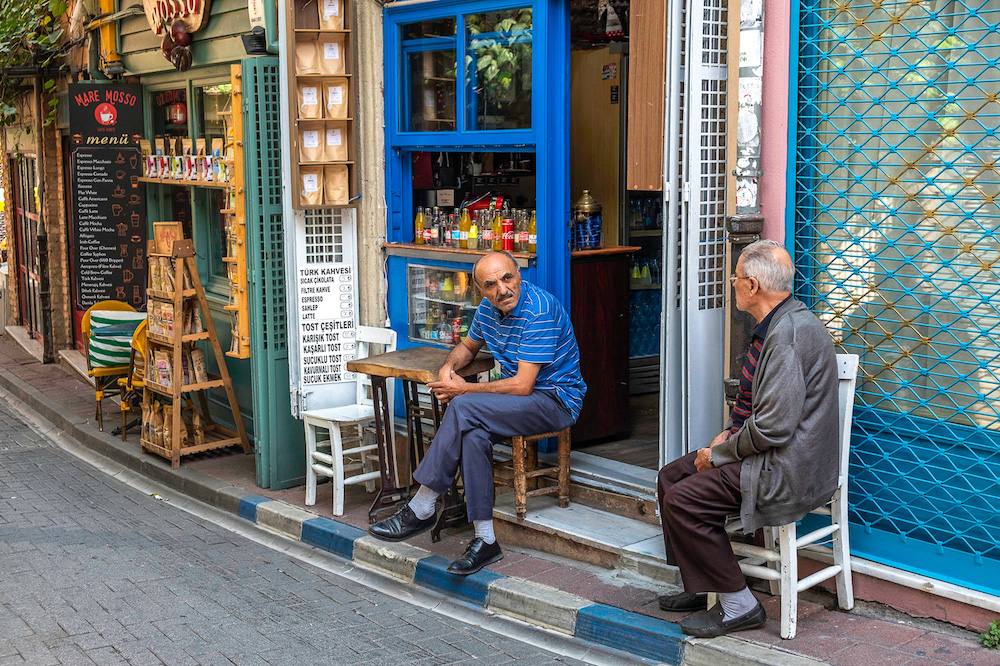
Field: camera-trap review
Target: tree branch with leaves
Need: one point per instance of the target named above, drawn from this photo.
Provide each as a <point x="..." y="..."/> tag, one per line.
<point x="31" y="40"/>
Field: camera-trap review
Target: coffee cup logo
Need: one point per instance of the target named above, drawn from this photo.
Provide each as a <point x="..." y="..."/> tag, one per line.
<point x="134" y="181"/>
<point x="119" y="192"/>
<point x="134" y="199"/>
<point x="106" y="114"/>
<point x="135" y="219"/>
<point x="116" y="209"/>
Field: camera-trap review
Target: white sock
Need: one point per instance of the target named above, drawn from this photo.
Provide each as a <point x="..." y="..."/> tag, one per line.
<point x="484" y="530"/>
<point x="424" y="503"/>
<point x="739" y="603"/>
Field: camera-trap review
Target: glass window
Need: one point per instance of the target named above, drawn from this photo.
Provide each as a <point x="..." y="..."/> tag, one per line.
<point x="443" y="27"/>
<point x="213" y="104"/>
<point x="498" y="70"/>
<point x="431" y="97"/>
<point x="170" y="113"/>
<point x="442" y="303"/>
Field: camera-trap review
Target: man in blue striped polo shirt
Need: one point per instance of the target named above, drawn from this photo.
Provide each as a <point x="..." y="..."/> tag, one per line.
<point x="540" y="390"/>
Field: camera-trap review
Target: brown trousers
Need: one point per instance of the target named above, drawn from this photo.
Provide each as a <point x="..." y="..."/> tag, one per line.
<point x="693" y="510"/>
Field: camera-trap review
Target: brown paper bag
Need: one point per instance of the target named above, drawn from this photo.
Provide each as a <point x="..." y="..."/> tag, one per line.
<point x="331" y="54"/>
<point x="311" y="185"/>
<point x="335" y="95"/>
<point x="309" y="100"/>
<point x="198" y="364"/>
<point x="331" y="14"/>
<point x="306" y="56"/>
<point x="336" y="142"/>
<point x="336" y="189"/>
<point x="311" y="144"/>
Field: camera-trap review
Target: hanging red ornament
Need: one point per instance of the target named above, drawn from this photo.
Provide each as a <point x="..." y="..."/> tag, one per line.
<point x="177" y="114"/>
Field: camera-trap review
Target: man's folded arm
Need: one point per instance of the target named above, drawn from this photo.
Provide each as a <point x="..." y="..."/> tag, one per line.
<point x="777" y="409"/>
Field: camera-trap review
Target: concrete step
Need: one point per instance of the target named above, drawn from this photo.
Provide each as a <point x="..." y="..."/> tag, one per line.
<point x="587" y="533"/>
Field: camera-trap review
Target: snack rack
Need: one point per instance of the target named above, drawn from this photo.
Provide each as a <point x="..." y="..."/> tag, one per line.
<point x="304" y="21"/>
<point x="236" y="228"/>
<point x="164" y="376"/>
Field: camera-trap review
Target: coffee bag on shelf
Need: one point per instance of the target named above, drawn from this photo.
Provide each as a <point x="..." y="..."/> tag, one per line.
<point x="309" y="100"/>
<point x="336" y="142"/>
<point x="335" y="96"/>
<point x="336" y="189"/>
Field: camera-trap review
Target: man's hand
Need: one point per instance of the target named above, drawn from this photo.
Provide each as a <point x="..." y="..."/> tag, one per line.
<point x="719" y="439"/>
<point x="703" y="461"/>
<point x="448" y="387"/>
<point x="444" y="374"/>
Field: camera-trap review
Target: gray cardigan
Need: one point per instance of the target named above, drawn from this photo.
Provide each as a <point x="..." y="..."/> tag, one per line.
<point x="789" y="444"/>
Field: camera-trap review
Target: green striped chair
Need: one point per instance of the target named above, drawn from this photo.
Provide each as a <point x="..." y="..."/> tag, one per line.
<point x="108" y="355"/>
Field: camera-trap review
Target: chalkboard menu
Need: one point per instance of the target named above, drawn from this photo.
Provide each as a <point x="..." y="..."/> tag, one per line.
<point x="109" y="202"/>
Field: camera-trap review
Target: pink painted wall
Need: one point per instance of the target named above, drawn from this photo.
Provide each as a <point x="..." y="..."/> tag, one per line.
<point x="774" y="121"/>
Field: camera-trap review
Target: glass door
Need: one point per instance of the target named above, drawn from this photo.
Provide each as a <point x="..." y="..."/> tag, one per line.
<point x="26" y="220"/>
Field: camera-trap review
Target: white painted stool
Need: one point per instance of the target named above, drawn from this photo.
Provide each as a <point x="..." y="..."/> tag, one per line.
<point x="347" y="426"/>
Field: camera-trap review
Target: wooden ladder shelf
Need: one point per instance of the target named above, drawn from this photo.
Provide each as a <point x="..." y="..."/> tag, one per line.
<point x="216" y="436"/>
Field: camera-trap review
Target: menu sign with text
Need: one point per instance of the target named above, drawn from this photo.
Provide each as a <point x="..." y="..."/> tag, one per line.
<point x="326" y="306"/>
<point x="109" y="202"/>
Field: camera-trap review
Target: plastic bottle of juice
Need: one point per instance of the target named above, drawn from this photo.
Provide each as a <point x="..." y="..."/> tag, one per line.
<point x="497" y="231"/>
<point x="464" y="226"/>
<point x="418" y="227"/>
<point x="533" y="234"/>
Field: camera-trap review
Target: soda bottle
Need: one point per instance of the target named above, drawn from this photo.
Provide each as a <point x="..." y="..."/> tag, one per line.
<point x="446" y="229"/>
<point x="522" y="231"/>
<point x="474" y="232"/>
<point x="436" y="229"/>
<point x="485" y="231"/>
<point x="444" y="335"/>
<point x="464" y="226"/>
<point x="532" y="234"/>
<point x="497" y="231"/>
<point x="448" y="288"/>
<point x="418" y="227"/>
<point x="456" y="224"/>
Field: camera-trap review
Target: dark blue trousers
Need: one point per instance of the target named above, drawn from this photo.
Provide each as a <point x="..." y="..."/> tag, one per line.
<point x="472" y="424"/>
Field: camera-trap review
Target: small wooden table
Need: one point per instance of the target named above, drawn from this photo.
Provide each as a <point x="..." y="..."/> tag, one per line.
<point x="413" y="367"/>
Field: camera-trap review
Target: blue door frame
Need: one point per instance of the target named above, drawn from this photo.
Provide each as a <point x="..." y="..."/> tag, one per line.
<point x="548" y="137"/>
<point x="924" y="487"/>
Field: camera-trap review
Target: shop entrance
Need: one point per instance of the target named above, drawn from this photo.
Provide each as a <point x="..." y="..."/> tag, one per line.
<point x="25" y="225"/>
<point x="663" y="197"/>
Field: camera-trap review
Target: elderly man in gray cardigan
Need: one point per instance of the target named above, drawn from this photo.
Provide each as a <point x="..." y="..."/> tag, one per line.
<point x="776" y="461"/>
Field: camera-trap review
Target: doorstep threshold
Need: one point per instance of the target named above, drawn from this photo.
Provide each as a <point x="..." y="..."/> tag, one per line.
<point x="29" y="344"/>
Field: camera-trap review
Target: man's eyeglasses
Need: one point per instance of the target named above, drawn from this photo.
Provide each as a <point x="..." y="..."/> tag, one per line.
<point x="734" y="277"/>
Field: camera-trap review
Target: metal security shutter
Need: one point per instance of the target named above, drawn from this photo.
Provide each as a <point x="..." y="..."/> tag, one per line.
<point x="704" y="221"/>
<point x="280" y="440"/>
<point x="896" y="219"/>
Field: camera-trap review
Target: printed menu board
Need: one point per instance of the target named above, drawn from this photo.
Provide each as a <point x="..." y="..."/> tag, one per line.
<point x="326" y="306"/>
<point x="109" y="202"/>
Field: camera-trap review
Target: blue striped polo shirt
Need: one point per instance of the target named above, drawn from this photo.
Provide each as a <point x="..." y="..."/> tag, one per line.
<point x="539" y="331"/>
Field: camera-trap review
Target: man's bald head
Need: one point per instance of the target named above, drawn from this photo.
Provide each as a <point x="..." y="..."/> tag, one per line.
<point x="493" y="261"/>
<point x="770" y="264"/>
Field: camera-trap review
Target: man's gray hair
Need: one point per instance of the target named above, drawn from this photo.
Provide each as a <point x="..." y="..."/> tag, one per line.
<point x="769" y="263"/>
<point x="475" y="266"/>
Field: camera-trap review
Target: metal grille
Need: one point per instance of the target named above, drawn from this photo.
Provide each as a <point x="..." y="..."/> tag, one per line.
<point x="714" y="32"/>
<point x="324" y="236"/>
<point x="712" y="204"/>
<point x="895" y="225"/>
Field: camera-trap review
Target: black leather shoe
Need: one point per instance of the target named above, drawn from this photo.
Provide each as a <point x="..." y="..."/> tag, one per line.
<point x="683" y="602"/>
<point x="478" y="555"/>
<point x="400" y="526"/>
<point x="710" y="623"/>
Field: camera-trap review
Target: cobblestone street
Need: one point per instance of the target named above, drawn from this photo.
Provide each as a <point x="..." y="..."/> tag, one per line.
<point x="92" y="571"/>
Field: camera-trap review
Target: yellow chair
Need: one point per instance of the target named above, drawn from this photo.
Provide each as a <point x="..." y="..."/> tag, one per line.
<point x="105" y="378"/>
<point x="130" y="386"/>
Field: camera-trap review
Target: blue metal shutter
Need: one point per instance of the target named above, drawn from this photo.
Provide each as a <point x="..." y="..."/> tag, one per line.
<point x="895" y="217"/>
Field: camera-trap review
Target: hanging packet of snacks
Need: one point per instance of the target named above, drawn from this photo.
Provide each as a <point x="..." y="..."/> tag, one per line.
<point x="163" y="374"/>
<point x="199" y="366"/>
<point x="199" y="159"/>
<point x="155" y="281"/>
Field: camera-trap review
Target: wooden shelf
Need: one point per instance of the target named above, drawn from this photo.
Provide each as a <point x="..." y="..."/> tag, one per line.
<point x="331" y="163"/>
<point x="230" y="260"/>
<point x="167" y="340"/>
<point x="433" y="252"/>
<point x="186" y="388"/>
<point x="342" y="31"/>
<point x="227" y="211"/>
<point x="185" y="183"/>
<point x="158" y="295"/>
<point x="212" y="441"/>
<point x="323" y="76"/>
<point x="324" y="120"/>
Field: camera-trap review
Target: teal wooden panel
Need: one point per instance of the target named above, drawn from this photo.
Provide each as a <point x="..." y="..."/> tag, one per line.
<point x="216" y="52"/>
<point x="280" y="442"/>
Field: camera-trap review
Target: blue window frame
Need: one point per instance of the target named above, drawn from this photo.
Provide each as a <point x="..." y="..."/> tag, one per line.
<point x="539" y="34"/>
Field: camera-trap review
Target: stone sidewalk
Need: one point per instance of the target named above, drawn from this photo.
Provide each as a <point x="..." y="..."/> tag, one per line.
<point x="824" y="635"/>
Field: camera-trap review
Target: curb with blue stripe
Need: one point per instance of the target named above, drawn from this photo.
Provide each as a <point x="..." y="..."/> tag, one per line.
<point x="637" y="634"/>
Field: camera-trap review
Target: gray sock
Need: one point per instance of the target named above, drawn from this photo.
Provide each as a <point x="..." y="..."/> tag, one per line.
<point x="484" y="530"/>
<point x="424" y="503"/>
<point x="735" y="604"/>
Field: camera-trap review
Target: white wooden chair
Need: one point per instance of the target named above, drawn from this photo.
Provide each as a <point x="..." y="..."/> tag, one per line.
<point x="778" y="561"/>
<point x="338" y="461"/>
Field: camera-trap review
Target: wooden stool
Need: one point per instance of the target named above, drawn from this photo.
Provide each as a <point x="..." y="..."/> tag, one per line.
<point x="524" y="472"/>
